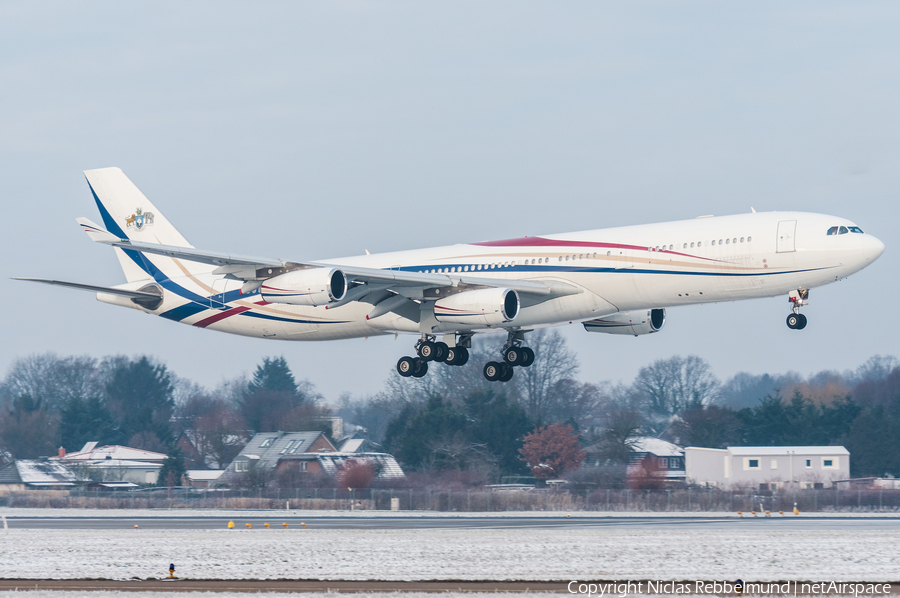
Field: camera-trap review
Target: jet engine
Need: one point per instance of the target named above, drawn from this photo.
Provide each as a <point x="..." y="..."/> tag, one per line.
<point x="314" y="286"/>
<point x="629" y="322"/>
<point x="484" y="307"/>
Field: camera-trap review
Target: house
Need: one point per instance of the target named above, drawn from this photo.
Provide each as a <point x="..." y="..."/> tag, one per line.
<point x="767" y="467"/>
<point x="386" y="467"/>
<point x="26" y="474"/>
<point x="203" y="478"/>
<point x="657" y="459"/>
<point x="114" y="463"/>
<point x="304" y="453"/>
<point x="269" y="451"/>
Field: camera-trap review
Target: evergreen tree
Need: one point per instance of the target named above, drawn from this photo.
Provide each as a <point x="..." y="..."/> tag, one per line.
<point x="273" y="375"/>
<point x="140" y="397"/>
<point x="86" y="420"/>
<point x="172" y="469"/>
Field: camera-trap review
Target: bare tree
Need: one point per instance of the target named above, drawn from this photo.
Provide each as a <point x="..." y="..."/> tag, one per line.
<point x="669" y="386"/>
<point x="53" y="380"/>
<point x="539" y="384"/>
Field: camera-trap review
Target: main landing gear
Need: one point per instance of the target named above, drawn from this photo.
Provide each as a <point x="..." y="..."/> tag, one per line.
<point x="514" y="354"/>
<point x="429" y="349"/>
<point x="796" y="320"/>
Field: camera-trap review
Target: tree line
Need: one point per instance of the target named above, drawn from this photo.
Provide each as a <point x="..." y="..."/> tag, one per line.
<point x="453" y="422"/>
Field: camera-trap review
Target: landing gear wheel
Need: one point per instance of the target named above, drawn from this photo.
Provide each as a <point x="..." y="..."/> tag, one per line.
<point x="793" y="321"/>
<point x="507" y="375"/>
<point x="406" y="366"/>
<point x="802" y="323"/>
<point x="427" y="350"/>
<point x="440" y="351"/>
<point x="421" y="369"/>
<point x="462" y="355"/>
<point x="492" y="371"/>
<point x="527" y="357"/>
<point x="513" y="356"/>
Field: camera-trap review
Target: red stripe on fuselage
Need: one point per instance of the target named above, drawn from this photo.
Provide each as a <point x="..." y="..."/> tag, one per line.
<point x="220" y="316"/>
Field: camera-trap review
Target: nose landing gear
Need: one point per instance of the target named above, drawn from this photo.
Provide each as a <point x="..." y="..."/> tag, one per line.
<point x="798" y="298"/>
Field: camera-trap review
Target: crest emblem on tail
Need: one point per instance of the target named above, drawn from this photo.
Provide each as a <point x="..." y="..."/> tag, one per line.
<point x="139" y="219"/>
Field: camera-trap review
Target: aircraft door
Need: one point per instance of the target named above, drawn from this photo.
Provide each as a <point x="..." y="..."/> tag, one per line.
<point x="219" y="288"/>
<point x="785" y="239"/>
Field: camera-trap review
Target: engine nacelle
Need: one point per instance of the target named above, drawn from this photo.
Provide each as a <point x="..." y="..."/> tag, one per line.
<point x="629" y="322"/>
<point x="313" y="287"/>
<point x="485" y="307"/>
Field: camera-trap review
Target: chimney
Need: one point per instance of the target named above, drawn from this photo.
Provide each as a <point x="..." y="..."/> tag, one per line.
<point x="62" y="452"/>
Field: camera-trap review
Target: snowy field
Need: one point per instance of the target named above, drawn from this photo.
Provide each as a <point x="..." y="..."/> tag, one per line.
<point x="449" y="554"/>
<point x="235" y="513"/>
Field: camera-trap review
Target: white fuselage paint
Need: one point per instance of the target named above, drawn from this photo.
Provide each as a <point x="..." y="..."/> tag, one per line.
<point x="617" y="269"/>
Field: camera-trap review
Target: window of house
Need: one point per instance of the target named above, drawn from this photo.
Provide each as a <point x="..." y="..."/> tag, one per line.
<point x="753" y="463"/>
<point x="287" y="446"/>
<point x="809" y="463"/>
<point x="663" y="463"/>
<point x="773" y="464"/>
<point x="303" y="466"/>
<point x="829" y="463"/>
<point x="267" y="442"/>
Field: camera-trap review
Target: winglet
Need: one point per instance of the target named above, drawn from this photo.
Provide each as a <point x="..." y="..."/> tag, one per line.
<point x="96" y="232"/>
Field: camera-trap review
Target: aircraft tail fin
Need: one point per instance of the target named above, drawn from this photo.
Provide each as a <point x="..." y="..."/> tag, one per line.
<point x="128" y="214"/>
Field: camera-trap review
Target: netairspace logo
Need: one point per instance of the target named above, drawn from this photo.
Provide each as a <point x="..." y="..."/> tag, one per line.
<point x="790" y="588"/>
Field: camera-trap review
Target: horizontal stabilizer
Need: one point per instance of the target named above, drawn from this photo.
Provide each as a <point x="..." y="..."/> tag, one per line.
<point x="96" y="232"/>
<point x="96" y="289"/>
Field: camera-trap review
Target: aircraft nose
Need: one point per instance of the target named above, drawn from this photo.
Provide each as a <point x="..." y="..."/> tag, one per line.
<point x="872" y="248"/>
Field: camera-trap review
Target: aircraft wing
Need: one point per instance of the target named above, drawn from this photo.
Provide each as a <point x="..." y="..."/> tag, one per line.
<point x="255" y="268"/>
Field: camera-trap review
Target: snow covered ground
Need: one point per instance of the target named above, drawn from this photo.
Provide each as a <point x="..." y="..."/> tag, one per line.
<point x="670" y="552"/>
<point x="235" y="513"/>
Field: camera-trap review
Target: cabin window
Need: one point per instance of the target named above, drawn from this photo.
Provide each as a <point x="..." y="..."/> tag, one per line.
<point x="749" y="239"/>
<point x="856" y="229"/>
<point x="567" y="258"/>
<point x="734" y="240"/>
<point x="685" y="246"/>
<point x="742" y="239"/>
<point x="843" y="230"/>
<point x="595" y="254"/>
<point x="727" y="241"/>
<point x="560" y="258"/>
<point x="833" y="230"/>
<point x="692" y="245"/>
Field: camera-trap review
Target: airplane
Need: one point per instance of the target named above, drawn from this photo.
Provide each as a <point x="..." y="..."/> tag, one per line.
<point x="614" y="280"/>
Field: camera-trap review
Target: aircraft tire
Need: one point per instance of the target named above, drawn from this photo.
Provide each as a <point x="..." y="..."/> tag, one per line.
<point x="512" y="356"/>
<point x="802" y="323"/>
<point x="406" y="366"/>
<point x="527" y="357"/>
<point x="507" y="375"/>
<point x="440" y="351"/>
<point x="421" y="369"/>
<point x="492" y="371"/>
<point x="427" y="351"/>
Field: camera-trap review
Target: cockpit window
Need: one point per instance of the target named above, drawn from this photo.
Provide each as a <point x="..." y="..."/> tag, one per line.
<point x="856" y="229"/>
<point x="843" y="230"/>
<point x="833" y="230"/>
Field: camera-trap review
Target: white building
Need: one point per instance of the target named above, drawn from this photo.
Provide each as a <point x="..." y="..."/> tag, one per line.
<point x="773" y="466"/>
<point x="114" y="463"/>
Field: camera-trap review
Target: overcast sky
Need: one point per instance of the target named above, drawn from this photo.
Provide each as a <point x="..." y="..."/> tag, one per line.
<point x="314" y="130"/>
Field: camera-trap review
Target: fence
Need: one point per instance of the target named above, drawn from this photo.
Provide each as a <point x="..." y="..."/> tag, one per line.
<point x="473" y="500"/>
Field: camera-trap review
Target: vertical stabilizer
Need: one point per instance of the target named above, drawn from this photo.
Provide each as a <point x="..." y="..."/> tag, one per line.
<point x="128" y="214"/>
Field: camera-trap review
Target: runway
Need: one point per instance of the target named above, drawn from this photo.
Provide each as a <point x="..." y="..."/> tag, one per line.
<point x="785" y="522"/>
